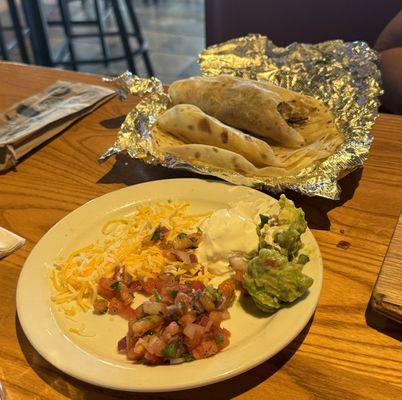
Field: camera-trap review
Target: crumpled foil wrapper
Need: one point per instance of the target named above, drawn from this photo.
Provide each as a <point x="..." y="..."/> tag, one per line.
<point x="343" y="75"/>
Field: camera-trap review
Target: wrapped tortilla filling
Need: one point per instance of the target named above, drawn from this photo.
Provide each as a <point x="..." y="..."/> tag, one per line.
<point x="190" y="124"/>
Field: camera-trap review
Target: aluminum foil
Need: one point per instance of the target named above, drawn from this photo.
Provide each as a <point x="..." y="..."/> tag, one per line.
<point x="343" y="75"/>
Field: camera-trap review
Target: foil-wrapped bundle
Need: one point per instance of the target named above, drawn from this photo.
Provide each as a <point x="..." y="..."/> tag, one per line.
<point x="343" y="75"/>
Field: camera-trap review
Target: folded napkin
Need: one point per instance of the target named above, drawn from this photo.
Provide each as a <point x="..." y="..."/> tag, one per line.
<point x="36" y="119"/>
<point x="9" y="242"/>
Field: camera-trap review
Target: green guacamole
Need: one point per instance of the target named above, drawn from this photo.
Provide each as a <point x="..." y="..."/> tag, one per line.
<point x="274" y="278"/>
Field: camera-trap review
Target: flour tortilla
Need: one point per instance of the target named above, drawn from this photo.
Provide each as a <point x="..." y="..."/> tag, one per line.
<point x="205" y="155"/>
<point x="312" y="120"/>
<point x="239" y="103"/>
<point x="190" y="124"/>
<point x="290" y="119"/>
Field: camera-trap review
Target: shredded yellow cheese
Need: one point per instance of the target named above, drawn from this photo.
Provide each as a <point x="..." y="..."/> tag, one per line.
<point x="81" y="331"/>
<point x="75" y="278"/>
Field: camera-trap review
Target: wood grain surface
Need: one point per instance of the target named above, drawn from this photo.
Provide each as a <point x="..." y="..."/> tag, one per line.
<point x="345" y="352"/>
<point x="387" y="293"/>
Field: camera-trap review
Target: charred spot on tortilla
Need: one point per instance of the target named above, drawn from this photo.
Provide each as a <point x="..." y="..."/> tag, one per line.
<point x="263" y="156"/>
<point x="237" y="167"/>
<point x="235" y="164"/>
<point x="203" y="124"/>
<point x="197" y="154"/>
<point x="224" y="136"/>
<point x="191" y="127"/>
<point x="214" y="149"/>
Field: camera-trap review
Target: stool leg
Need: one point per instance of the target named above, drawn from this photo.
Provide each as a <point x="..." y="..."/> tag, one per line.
<point x="123" y="35"/>
<point x="18" y="31"/>
<point x="66" y="18"/>
<point x="99" y="19"/>
<point x="38" y="31"/>
<point x="141" y="42"/>
<point x="3" y="45"/>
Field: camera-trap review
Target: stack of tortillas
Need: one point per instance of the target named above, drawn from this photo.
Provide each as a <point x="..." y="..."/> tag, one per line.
<point x="251" y="127"/>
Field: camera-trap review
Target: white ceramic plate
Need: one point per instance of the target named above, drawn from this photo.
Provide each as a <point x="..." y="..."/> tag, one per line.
<point x="94" y="359"/>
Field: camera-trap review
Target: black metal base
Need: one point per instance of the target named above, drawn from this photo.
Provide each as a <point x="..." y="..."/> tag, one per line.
<point x="65" y="55"/>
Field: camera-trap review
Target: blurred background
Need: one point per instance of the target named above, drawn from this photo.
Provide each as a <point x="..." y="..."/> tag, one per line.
<point x="164" y="37"/>
<point x="170" y="33"/>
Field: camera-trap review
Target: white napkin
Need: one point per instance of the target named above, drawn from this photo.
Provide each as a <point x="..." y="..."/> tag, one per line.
<point x="9" y="242"/>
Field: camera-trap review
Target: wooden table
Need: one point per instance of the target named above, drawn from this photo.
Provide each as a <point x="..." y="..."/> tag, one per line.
<point x="345" y="352"/>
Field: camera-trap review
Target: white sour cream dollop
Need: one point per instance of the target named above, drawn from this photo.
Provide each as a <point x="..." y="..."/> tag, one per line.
<point x="230" y="232"/>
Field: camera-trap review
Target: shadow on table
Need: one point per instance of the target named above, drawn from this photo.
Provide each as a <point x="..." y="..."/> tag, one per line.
<point x="76" y="390"/>
<point x="113" y="123"/>
<point x="130" y="172"/>
<point x="317" y="208"/>
<point x="383" y="324"/>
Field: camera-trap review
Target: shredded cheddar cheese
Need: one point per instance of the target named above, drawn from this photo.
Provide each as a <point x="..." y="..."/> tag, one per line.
<point x="75" y="279"/>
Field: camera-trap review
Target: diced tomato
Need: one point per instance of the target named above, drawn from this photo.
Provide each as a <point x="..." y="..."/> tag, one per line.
<point x="184" y="299"/>
<point x="135" y="352"/>
<point x="127" y="312"/>
<point x="125" y="295"/>
<point x="216" y="318"/>
<point x="104" y="288"/>
<point x="207" y="348"/>
<point x="114" y="306"/>
<point x="119" y="308"/>
<point x="227" y="288"/>
<point x="148" y="286"/>
<point x="187" y="319"/>
<point x="152" y="284"/>
<point x="239" y="276"/>
<point x="204" y="320"/>
<point x="198" y="335"/>
<point x="135" y="286"/>
<point x="196" y="285"/>
<point x="152" y="358"/>
<point x="226" y="335"/>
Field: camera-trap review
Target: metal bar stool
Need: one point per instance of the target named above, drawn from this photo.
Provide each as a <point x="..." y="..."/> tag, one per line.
<point x="66" y="22"/>
<point x="38" y="32"/>
<point x="3" y="44"/>
<point x="101" y="13"/>
<point x="19" y="32"/>
<point x="65" y="55"/>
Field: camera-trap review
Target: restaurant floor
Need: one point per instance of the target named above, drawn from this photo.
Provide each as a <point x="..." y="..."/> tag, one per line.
<point x="174" y="30"/>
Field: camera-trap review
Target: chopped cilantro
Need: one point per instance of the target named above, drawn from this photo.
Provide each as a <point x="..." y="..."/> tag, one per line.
<point x="115" y="286"/>
<point x="170" y="350"/>
<point x="173" y="292"/>
<point x="157" y="233"/>
<point x="193" y="239"/>
<point x="264" y="220"/>
<point x="181" y="235"/>
<point x="156" y="295"/>
<point x="188" y="357"/>
<point x="215" y="294"/>
<point x="219" y="338"/>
